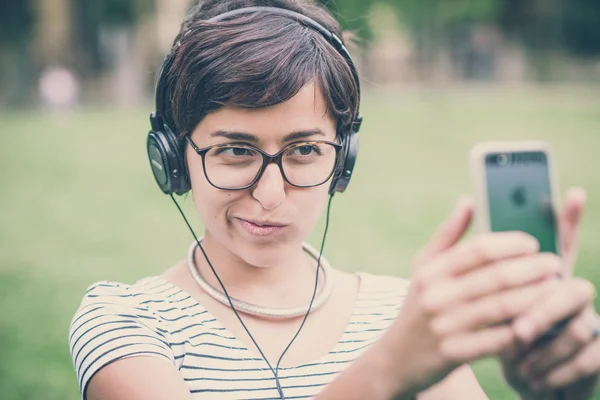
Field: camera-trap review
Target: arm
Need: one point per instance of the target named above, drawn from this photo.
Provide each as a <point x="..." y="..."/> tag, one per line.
<point x="371" y="377"/>
<point x="138" y="378"/>
<point x="459" y="297"/>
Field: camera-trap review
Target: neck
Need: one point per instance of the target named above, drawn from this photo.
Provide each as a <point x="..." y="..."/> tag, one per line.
<point x="286" y="283"/>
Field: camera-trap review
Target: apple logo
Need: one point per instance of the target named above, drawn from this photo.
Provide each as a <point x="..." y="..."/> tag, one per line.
<point x="518" y="196"/>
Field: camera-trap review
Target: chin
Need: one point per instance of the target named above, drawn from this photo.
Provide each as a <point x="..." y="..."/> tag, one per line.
<point x="265" y="254"/>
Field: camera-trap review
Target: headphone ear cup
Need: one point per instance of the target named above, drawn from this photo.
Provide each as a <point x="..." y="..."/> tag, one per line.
<point x="180" y="172"/>
<point x="167" y="162"/>
<point x="349" y="151"/>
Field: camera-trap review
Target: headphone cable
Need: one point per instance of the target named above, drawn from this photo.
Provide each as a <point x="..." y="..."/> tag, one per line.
<point x="315" y="289"/>
<point x="276" y="370"/>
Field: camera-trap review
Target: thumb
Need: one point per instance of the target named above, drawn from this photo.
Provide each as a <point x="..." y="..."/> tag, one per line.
<point x="569" y="224"/>
<point x="449" y="232"/>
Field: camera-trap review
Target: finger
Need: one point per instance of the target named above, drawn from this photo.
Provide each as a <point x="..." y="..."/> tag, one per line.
<point x="449" y="232"/>
<point x="568" y="221"/>
<point x="491" y="310"/>
<point x="572" y="296"/>
<point x="585" y="364"/>
<point x="478" y="251"/>
<point x="473" y="345"/>
<point x="576" y="335"/>
<point x="503" y="275"/>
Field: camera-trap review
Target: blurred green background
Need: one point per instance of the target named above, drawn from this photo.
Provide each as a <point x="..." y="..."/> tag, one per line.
<point x="78" y="202"/>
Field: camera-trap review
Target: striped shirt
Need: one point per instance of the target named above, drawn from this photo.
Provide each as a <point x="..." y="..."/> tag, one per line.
<point x="153" y="317"/>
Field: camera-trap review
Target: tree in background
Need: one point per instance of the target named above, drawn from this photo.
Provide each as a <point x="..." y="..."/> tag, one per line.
<point x="352" y="15"/>
<point x="582" y="27"/>
<point x="572" y="26"/>
<point x="94" y="37"/>
<point x="547" y="30"/>
<point x="93" y="19"/>
<point x="17" y="20"/>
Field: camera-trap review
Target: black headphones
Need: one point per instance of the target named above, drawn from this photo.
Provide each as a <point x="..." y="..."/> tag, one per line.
<point x="165" y="154"/>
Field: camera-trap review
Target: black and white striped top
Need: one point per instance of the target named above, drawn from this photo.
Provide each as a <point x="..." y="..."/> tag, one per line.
<point x="154" y="317"/>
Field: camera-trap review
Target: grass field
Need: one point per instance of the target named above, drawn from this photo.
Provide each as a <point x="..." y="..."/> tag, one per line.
<point x="78" y="204"/>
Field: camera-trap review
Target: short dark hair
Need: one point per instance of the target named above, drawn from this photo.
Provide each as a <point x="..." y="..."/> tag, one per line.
<point x="255" y="61"/>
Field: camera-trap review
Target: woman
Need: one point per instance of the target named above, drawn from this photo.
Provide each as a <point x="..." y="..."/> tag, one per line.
<point x="257" y="114"/>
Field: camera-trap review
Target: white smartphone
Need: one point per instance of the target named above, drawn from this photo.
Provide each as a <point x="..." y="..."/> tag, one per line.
<point x="515" y="187"/>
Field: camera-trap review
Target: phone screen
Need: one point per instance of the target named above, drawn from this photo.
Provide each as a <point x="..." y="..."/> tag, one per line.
<point x="520" y="196"/>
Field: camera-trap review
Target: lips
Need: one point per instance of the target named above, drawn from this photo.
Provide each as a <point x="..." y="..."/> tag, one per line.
<point x="260" y="228"/>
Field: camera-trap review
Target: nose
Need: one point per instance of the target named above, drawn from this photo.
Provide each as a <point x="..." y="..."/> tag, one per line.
<point x="270" y="189"/>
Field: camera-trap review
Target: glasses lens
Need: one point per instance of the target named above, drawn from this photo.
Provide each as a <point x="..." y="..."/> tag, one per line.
<point x="232" y="166"/>
<point x="309" y="163"/>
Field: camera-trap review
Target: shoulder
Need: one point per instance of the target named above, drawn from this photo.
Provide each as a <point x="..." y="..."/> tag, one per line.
<point x="127" y="293"/>
<point x="116" y="320"/>
<point x="145" y="301"/>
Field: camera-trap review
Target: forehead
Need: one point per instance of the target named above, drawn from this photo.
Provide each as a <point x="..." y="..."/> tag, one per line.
<point x="307" y="110"/>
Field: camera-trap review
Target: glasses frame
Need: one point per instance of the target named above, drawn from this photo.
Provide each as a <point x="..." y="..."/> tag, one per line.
<point x="267" y="159"/>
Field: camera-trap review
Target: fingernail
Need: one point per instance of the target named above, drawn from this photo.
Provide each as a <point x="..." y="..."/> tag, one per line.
<point x="524" y="329"/>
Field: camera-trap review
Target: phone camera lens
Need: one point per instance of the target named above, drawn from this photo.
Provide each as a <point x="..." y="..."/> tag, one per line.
<point x="502" y="159"/>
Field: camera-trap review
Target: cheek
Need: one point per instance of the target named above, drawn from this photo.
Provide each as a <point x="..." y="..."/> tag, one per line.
<point x="209" y="201"/>
<point x="310" y="205"/>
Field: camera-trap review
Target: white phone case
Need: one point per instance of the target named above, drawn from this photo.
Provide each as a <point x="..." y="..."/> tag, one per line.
<point x="477" y="168"/>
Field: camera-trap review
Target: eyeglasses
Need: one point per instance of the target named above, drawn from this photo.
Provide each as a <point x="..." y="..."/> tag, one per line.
<point x="238" y="166"/>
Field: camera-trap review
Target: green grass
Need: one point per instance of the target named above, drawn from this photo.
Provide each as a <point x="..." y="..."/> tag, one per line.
<point x="78" y="204"/>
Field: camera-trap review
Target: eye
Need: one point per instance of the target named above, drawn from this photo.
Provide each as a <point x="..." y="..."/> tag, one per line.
<point x="305" y="150"/>
<point x="233" y="151"/>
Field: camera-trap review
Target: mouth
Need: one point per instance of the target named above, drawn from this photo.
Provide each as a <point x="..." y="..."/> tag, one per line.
<point x="260" y="228"/>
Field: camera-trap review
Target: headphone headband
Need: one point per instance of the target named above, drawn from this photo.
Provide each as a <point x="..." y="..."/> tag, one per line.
<point x="158" y="116"/>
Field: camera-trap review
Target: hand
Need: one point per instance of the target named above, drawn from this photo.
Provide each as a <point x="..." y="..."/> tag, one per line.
<point x="460" y="297"/>
<point x="570" y="360"/>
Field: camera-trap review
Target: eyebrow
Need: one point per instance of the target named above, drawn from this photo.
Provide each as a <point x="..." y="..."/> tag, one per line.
<point x="247" y="137"/>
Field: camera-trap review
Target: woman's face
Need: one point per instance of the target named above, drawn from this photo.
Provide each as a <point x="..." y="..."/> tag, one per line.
<point x="267" y="223"/>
